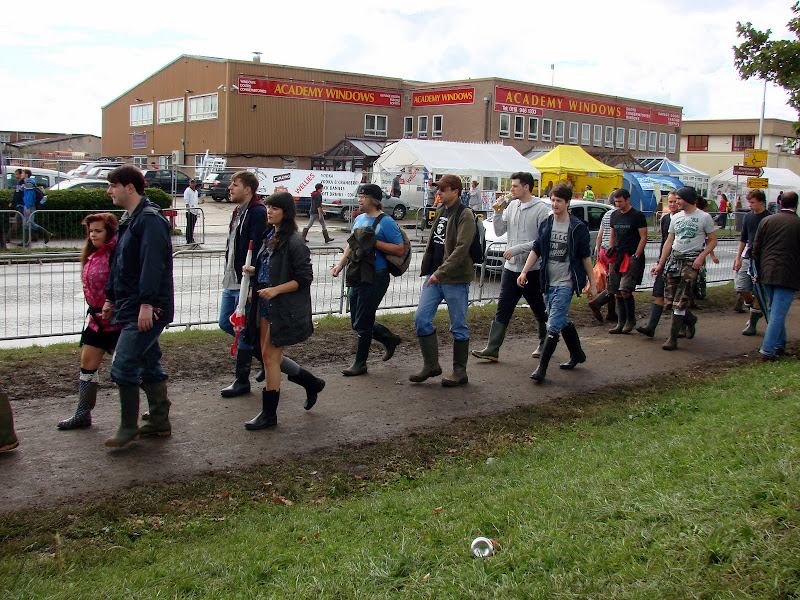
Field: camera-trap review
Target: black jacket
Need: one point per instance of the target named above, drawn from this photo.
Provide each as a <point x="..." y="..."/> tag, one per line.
<point x="251" y="227"/>
<point x="289" y="314"/>
<point x="577" y="249"/>
<point x="141" y="266"/>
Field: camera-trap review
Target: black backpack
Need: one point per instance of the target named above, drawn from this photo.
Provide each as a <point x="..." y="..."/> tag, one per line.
<point x="477" y="249"/>
<point x="397" y="265"/>
<point x="40" y="195"/>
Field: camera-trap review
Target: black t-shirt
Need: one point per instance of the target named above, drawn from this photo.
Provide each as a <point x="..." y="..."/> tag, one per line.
<point x="626" y="229"/>
<point x="438" y="234"/>
<point x="316" y="201"/>
<point x="749" y="228"/>
<point x="665" y="220"/>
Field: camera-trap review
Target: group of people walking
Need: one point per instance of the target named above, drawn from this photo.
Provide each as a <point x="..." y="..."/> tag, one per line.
<point x="127" y="281"/>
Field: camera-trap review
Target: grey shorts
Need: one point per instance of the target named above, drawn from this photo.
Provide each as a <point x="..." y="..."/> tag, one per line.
<point x="742" y="282"/>
<point x="625" y="282"/>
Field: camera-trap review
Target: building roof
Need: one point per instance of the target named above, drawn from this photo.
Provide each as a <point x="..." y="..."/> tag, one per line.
<point x="50" y="140"/>
<point x="779" y="127"/>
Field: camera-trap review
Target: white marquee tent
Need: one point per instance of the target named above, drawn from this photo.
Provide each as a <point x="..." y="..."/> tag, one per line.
<point x="729" y="184"/>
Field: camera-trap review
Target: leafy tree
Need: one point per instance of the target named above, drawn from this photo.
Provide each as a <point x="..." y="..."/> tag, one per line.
<point x="773" y="60"/>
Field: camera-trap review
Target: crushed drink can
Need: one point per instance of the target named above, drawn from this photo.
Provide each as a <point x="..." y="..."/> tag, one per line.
<point x="483" y="547"/>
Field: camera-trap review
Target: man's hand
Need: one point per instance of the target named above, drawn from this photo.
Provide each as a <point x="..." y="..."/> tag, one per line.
<point x="145" y="321"/>
<point x="106" y="311"/>
<point x="737" y="263"/>
<point x="698" y="263"/>
<point x="592" y="291"/>
<point x="522" y="279"/>
<point x="507" y="254"/>
<point x="336" y="269"/>
<point x="432" y="280"/>
<point x="655" y="270"/>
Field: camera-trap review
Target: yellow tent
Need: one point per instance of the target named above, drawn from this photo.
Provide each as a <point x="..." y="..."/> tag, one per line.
<point x="574" y="165"/>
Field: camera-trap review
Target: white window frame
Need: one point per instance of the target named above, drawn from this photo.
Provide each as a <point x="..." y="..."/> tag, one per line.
<point x="170" y="111"/>
<point x="643" y="139"/>
<point x="662" y="141"/>
<point x="621" y="137"/>
<point x="586" y="134"/>
<point x="140" y="115"/>
<point x="436" y="130"/>
<point x="560" y="131"/>
<point x="203" y="108"/>
<point x="139" y="161"/>
<point x="27" y="137"/>
<point x="631" y="139"/>
<point x="378" y="127"/>
<point x="673" y="142"/>
<point x="597" y="138"/>
<point x="505" y="125"/>
<point x="422" y="126"/>
<point x="408" y="127"/>
<point x="547" y="130"/>
<point x="533" y="128"/>
<point x="5" y="138"/>
<point x="609" y="136"/>
<point x="519" y="127"/>
<point x="573" y="133"/>
<point x="651" y="147"/>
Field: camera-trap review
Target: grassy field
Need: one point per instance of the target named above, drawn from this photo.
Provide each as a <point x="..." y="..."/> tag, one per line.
<point x="689" y="489"/>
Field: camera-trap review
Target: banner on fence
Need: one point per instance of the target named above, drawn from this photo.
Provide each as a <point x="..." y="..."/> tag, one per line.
<point x="300" y="183"/>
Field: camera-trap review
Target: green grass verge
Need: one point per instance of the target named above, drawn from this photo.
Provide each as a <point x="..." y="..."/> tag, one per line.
<point x="688" y="489"/>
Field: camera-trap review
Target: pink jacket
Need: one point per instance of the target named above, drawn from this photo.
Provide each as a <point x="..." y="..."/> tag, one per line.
<point x="94" y="276"/>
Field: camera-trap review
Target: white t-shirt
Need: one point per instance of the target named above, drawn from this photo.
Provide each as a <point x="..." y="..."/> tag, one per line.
<point x="190" y="198"/>
<point x="690" y="231"/>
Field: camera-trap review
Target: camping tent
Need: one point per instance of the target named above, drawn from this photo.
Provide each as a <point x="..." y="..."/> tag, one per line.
<point x="642" y="187"/>
<point x="686" y="174"/>
<point x="574" y="164"/>
<point x="411" y="158"/>
<point x="736" y="187"/>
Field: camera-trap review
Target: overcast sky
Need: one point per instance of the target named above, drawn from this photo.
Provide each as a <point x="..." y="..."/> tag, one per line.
<point x="64" y="61"/>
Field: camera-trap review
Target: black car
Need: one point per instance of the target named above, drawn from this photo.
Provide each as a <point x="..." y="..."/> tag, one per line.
<point x="215" y="186"/>
<point x="162" y="179"/>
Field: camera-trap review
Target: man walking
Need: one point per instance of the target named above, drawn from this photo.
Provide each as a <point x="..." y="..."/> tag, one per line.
<point x="657" y="307"/>
<point x="564" y="247"/>
<point x="30" y="206"/>
<point x="692" y="237"/>
<point x="374" y="236"/>
<point x="743" y="282"/>
<point x="521" y="219"/>
<point x="448" y="271"/>
<point x="776" y="251"/>
<point x="139" y="296"/>
<point x="626" y="253"/>
<point x="192" y="209"/>
<point x="315" y="212"/>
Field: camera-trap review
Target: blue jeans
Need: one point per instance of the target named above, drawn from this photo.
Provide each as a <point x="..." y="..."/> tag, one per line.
<point x="457" y="297"/>
<point x="780" y="301"/>
<point x="510" y="293"/>
<point x="230" y="298"/>
<point x="137" y="357"/>
<point x="558" y="301"/>
<point x="364" y="302"/>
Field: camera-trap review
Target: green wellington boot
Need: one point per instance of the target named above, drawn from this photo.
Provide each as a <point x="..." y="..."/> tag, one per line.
<point x="158" y="424"/>
<point x="429" y="346"/>
<point x="497" y="333"/>
<point x="460" y="357"/>
<point x="129" y="417"/>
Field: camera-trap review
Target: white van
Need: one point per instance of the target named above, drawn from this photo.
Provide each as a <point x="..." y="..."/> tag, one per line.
<point x="44" y="177"/>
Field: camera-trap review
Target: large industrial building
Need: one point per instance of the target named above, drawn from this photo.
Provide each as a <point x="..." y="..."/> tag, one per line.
<point x="259" y="114"/>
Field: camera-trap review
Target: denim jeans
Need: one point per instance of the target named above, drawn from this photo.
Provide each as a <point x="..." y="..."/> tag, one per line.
<point x="230" y="298"/>
<point x="558" y="301"/>
<point x="780" y="301"/>
<point x="364" y="302"/>
<point x="457" y="297"/>
<point x="510" y="293"/>
<point x="137" y="357"/>
<point x="314" y="216"/>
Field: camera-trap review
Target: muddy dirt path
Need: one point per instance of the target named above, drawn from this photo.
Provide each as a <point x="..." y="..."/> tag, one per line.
<point x="53" y="467"/>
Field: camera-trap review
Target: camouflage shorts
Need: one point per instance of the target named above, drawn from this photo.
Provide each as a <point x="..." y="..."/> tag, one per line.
<point x="679" y="291"/>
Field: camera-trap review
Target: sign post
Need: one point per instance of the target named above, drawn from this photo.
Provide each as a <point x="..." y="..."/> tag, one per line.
<point x="755" y="158"/>
<point x="757" y="183"/>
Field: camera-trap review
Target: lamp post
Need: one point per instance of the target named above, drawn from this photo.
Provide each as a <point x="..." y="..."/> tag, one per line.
<point x="185" y="119"/>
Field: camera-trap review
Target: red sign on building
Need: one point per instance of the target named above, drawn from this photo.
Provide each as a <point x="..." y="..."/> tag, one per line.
<point x="443" y="97"/>
<point x="533" y="103"/>
<point x="311" y="91"/>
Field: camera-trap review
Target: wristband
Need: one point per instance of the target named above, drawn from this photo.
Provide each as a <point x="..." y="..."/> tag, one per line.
<point x="150" y="306"/>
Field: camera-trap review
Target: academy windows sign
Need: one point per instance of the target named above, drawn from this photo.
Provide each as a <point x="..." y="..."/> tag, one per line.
<point x="257" y="86"/>
<point x="443" y="97"/>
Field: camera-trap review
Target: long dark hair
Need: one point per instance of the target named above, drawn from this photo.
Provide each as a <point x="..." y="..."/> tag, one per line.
<point x="285" y="202"/>
<point x="109" y="222"/>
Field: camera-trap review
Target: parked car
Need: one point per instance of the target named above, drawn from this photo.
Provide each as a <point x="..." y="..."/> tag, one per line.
<point x="47" y="178"/>
<point x="589" y="212"/>
<point x="347" y="208"/>
<point x="215" y="186"/>
<point x="162" y="179"/>
<point x="99" y="172"/>
<point x="81" y="184"/>
<point x="82" y="169"/>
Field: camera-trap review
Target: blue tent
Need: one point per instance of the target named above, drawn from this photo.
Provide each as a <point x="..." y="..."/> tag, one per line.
<point x="641" y="186"/>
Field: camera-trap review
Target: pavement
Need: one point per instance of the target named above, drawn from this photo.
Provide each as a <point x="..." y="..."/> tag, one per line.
<point x="53" y="467"/>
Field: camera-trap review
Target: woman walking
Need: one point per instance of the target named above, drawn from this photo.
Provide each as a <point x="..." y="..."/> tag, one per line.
<point x="99" y="336"/>
<point x="280" y="307"/>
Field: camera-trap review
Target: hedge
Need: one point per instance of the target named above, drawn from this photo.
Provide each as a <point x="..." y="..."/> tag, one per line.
<point x="68" y="225"/>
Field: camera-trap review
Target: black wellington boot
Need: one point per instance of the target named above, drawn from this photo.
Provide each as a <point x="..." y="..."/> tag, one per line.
<point x="655" y="316"/>
<point x="240" y="385"/>
<point x="390" y="341"/>
<point x="268" y="417"/>
<point x="313" y="386"/>
<point x="547" y="353"/>
<point x="573" y="342"/>
<point x="359" y="366"/>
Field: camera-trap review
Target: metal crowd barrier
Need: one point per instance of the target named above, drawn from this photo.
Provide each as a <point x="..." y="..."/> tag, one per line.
<point x="41" y="294"/>
<point x="67" y="231"/>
